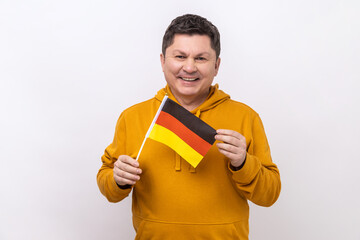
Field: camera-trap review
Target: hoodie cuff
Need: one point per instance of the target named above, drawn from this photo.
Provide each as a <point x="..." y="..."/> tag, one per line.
<point x="127" y="186"/>
<point x="248" y="171"/>
<point x="237" y="168"/>
<point x="120" y="190"/>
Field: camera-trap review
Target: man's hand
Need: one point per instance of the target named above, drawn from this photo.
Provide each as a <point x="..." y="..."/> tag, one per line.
<point x="126" y="171"/>
<point x="233" y="146"/>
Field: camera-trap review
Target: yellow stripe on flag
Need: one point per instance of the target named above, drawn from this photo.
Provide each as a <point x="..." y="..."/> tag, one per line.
<point x="167" y="137"/>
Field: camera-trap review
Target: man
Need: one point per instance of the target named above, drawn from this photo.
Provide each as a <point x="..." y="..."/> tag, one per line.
<point x="171" y="199"/>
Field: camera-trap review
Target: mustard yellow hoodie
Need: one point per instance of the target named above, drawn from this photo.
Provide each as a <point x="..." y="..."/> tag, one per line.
<point x="172" y="200"/>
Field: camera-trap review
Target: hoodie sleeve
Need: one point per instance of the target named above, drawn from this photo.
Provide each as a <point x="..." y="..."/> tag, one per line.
<point x="105" y="177"/>
<point x="259" y="178"/>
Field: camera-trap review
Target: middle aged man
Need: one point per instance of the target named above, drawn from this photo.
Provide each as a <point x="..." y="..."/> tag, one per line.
<point x="171" y="199"/>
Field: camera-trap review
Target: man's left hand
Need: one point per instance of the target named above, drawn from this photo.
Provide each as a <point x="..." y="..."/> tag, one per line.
<point x="233" y="146"/>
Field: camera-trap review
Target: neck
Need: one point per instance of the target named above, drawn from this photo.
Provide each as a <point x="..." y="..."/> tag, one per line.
<point x="191" y="103"/>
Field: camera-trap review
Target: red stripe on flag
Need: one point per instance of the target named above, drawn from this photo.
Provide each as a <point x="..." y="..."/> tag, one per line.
<point x="193" y="140"/>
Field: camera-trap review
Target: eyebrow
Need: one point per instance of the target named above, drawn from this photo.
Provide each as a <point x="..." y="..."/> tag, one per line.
<point x="183" y="53"/>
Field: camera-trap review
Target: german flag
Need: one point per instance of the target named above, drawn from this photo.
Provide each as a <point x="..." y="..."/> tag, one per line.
<point x="182" y="131"/>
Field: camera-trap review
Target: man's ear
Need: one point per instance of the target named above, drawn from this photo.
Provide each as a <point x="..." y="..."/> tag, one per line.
<point x="217" y="65"/>
<point x="162" y="60"/>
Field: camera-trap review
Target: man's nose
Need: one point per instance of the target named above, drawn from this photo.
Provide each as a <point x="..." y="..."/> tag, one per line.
<point x="189" y="66"/>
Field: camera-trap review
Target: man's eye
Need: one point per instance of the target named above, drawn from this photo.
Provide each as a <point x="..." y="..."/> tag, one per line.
<point x="180" y="57"/>
<point x="201" y="59"/>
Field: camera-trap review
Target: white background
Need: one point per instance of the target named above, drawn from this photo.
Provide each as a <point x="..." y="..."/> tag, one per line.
<point x="69" y="68"/>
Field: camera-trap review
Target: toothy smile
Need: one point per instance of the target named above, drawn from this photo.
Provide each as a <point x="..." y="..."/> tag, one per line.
<point x="189" y="79"/>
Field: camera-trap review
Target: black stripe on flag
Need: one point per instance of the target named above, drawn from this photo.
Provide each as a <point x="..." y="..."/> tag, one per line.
<point x="192" y="122"/>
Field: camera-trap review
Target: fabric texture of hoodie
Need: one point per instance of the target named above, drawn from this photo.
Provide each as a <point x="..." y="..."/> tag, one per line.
<point x="173" y="200"/>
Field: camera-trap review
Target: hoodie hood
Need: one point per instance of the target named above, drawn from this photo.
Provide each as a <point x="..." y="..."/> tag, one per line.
<point x="214" y="98"/>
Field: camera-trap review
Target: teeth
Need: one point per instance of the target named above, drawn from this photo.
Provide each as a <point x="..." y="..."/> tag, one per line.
<point x="189" y="79"/>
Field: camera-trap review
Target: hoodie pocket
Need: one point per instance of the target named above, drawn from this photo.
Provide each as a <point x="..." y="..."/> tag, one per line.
<point x="140" y="230"/>
<point x="149" y="230"/>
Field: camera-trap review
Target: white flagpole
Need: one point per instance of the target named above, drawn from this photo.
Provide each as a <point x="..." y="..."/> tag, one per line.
<point x="152" y="124"/>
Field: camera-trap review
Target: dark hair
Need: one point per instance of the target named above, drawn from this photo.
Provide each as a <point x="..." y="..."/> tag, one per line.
<point x="191" y="24"/>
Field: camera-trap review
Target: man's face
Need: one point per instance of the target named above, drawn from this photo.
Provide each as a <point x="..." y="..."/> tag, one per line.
<point x="189" y="66"/>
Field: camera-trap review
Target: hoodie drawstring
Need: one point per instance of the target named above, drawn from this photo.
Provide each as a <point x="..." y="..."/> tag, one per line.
<point x="198" y="113"/>
<point x="177" y="162"/>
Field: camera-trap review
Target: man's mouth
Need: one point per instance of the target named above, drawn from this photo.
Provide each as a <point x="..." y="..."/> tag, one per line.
<point x="189" y="79"/>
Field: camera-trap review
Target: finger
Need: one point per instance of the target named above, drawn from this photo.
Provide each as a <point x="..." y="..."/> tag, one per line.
<point x="126" y="175"/>
<point x="130" y="169"/>
<point x="229" y="133"/>
<point x="229" y="148"/>
<point x="236" y="158"/>
<point x="228" y="139"/>
<point x="128" y="160"/>
<point x="229" y="155"/>
<point x="123" y="181"/>
<point x="126" y="167"/>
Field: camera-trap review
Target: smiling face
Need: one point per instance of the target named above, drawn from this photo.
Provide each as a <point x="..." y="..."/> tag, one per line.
<point x="189" y="66"/>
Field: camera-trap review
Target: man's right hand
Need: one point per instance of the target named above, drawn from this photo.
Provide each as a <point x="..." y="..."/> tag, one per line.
<point x="126" y="171"/>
